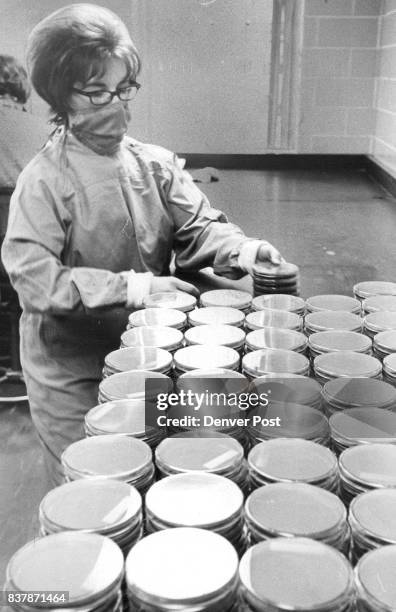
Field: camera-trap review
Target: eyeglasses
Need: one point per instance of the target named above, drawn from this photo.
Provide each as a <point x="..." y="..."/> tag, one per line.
<point x="103" y="97"/>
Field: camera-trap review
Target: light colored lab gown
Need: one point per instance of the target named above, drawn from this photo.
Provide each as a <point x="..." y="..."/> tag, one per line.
<point x="78" y="221"/>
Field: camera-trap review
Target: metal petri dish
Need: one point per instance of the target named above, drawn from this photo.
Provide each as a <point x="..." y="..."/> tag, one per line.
<point x="379" y="302"/>
<point x="372" y="515"/>
<point x="296" y="421"/>
<point x="326" y="320"/>
<point x="86" y="565"/>
<point x="178" y="300"/>
<point x="181" y="567"/>
<point x="263" y="361"/>
<point x="216" y="315"/>
<point x="273" y="318"/>
<point x="201" y="356"/>
<point x="380" y="321"/>
<point x="273" y="337"/>
<point x="280" y="301"/>
<point x="368" y="288"/>
<point x="333" y="302"/>
<point x="137" y="358"/>
<point x="224" y="335"/>
<point x="375" y="579"/>
<point x="169" y="317"/>
<point x="341" y="364"/>
<point x="338" y="340"/>
<point x="363" y="426"/>
<point x="298" y="390"/>
<point x="133" y="384"/>
<point x="371" y="466"/>
<point x="389" y="365"/>
<point x="295" y="574"/>
<point x="283" y="271"/>
<point x="166" y="338"/>
<point x="127" y="416"/>
<point x="292" y="460"/>
<point x="385" y="343"/>
<point x="229" y="298"/>
<point x="342" y="393"/>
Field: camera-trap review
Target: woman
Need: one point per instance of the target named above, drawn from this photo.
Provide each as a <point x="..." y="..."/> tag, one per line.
<point x="95" y="219"/>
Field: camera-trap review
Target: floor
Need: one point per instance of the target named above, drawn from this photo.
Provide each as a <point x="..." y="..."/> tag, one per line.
<point x="339" y="228"/>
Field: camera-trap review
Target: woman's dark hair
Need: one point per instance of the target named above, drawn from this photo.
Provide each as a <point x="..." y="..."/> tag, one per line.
<point x="70" y="46"/>
<point x="13" y="79"/>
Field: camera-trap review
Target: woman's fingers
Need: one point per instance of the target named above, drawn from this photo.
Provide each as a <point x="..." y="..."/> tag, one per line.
<point x="270" y="254"/>
<point x="181" y="285"/>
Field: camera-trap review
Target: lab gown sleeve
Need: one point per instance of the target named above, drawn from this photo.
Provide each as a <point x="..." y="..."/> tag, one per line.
<point x="203" y="236"/>
<point x="34" y="248"/>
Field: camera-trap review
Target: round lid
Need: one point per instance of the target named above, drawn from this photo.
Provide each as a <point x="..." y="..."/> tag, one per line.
<point x="284" y="270"/>
<point x="369" y="288"/>
<point x="178" y="300"/>
<point x="389" y="364"/>
<point x="132" y="384"/>
<point x="273" y="318"/>
<point x="300" y="390"/>
<point x="99" y="505"/>
<point x="380" y="321"/>
<point x="279" y="301"/>
<point x="295" y="574"/>
<point x="339" y="340"/>
<point x="333" y="302"/>
<point x="374" y="465"/>
<point x="380" y="302"/>
<point x="216" y="315"/>
<point x="216" y="380"/>
<point x="375" y="513"/>
<point x="375" y="575"/>
<point x="194" y="499"/>
<point x="168" y="317"/>
<point x="333" y="319"/>
<point x="155" y="335"/>
<point x="201" y="356"/>
<point x="231" y="298"/>
<point x="210" y="453"/>
<point x="347" y="363"/>
<point x="386" y="341"/>
<point x="181" y="565"/>
<point x="292" y="459"/>
<point x="120" y="416"/>
<point x="364" y="425"/>
<point x="273" y="337"/>
<point x="359" y="392"/>
<point x="296" y="508"/>
<point x="275" y="360"/>
<point x="84" y="564"/>
<point x="139" y="358"/>
<point x="225" y="335"/>
<point x="295" y="421"/>
<point x="108" y="455"/>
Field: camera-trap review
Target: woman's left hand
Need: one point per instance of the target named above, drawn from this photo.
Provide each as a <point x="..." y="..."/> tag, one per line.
<point x="268" y="254"/>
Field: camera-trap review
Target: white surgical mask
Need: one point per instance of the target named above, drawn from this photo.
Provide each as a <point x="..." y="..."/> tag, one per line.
<point x="103" y="129"/>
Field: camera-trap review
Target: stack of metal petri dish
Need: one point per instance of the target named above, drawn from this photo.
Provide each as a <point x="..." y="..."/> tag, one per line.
<point x="326" y="320"/>
<point x="362" y="426"/>
<point x="211" y="452"/>
<point x="293" y="460"/>
<point x="280" y="301"/>
<point x="216" y="315"/>
<point x="227" y="298"/>
<point x="338" y="340"/>
<point x="200" y="356"/>
<point x="384" y="344"/>
<point x="278" y="361"/>
<point x="375" y="580"/>
<point x="126" y="417"/>
<point x="284" y="278"/>
<point x="377" y="322"/>
<point x="288" y="420"/>
<point x="108" y="507"/>
<point x="116" y="457"/>
<point x="137" y="358"/>
<point x="366" y="467"/>
<point x="133" y="384"/>
<point x="345" y="303"/>
<point x="346" y="364"/>
<point x="297" y="510"/>
<point x="87" y="567"/>
<point x="168" y="317"/>
<point x="389" y="369"/>
<point x="182" y="569"/>
<point x="379" y="302"/>
<point x="372" y="517"/>
<point x="342" y="393"/>
<point x="269" y="317"/>
<point x="167" y="338"/>
<point x="367" y="289"/>
<point x="216" y="335"/>
<point x="176" y="300"/>
<point x="276" y="338"/>
<point x="286" y="574"/>
<point x="196" y="499"/>
<point x="285" y="388"/>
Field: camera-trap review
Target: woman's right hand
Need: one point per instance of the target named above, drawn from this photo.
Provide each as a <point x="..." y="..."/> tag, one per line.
<point x="171" y="283"/>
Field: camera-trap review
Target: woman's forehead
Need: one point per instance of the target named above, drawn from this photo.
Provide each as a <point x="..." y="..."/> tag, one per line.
<point x="110" y="72"/>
